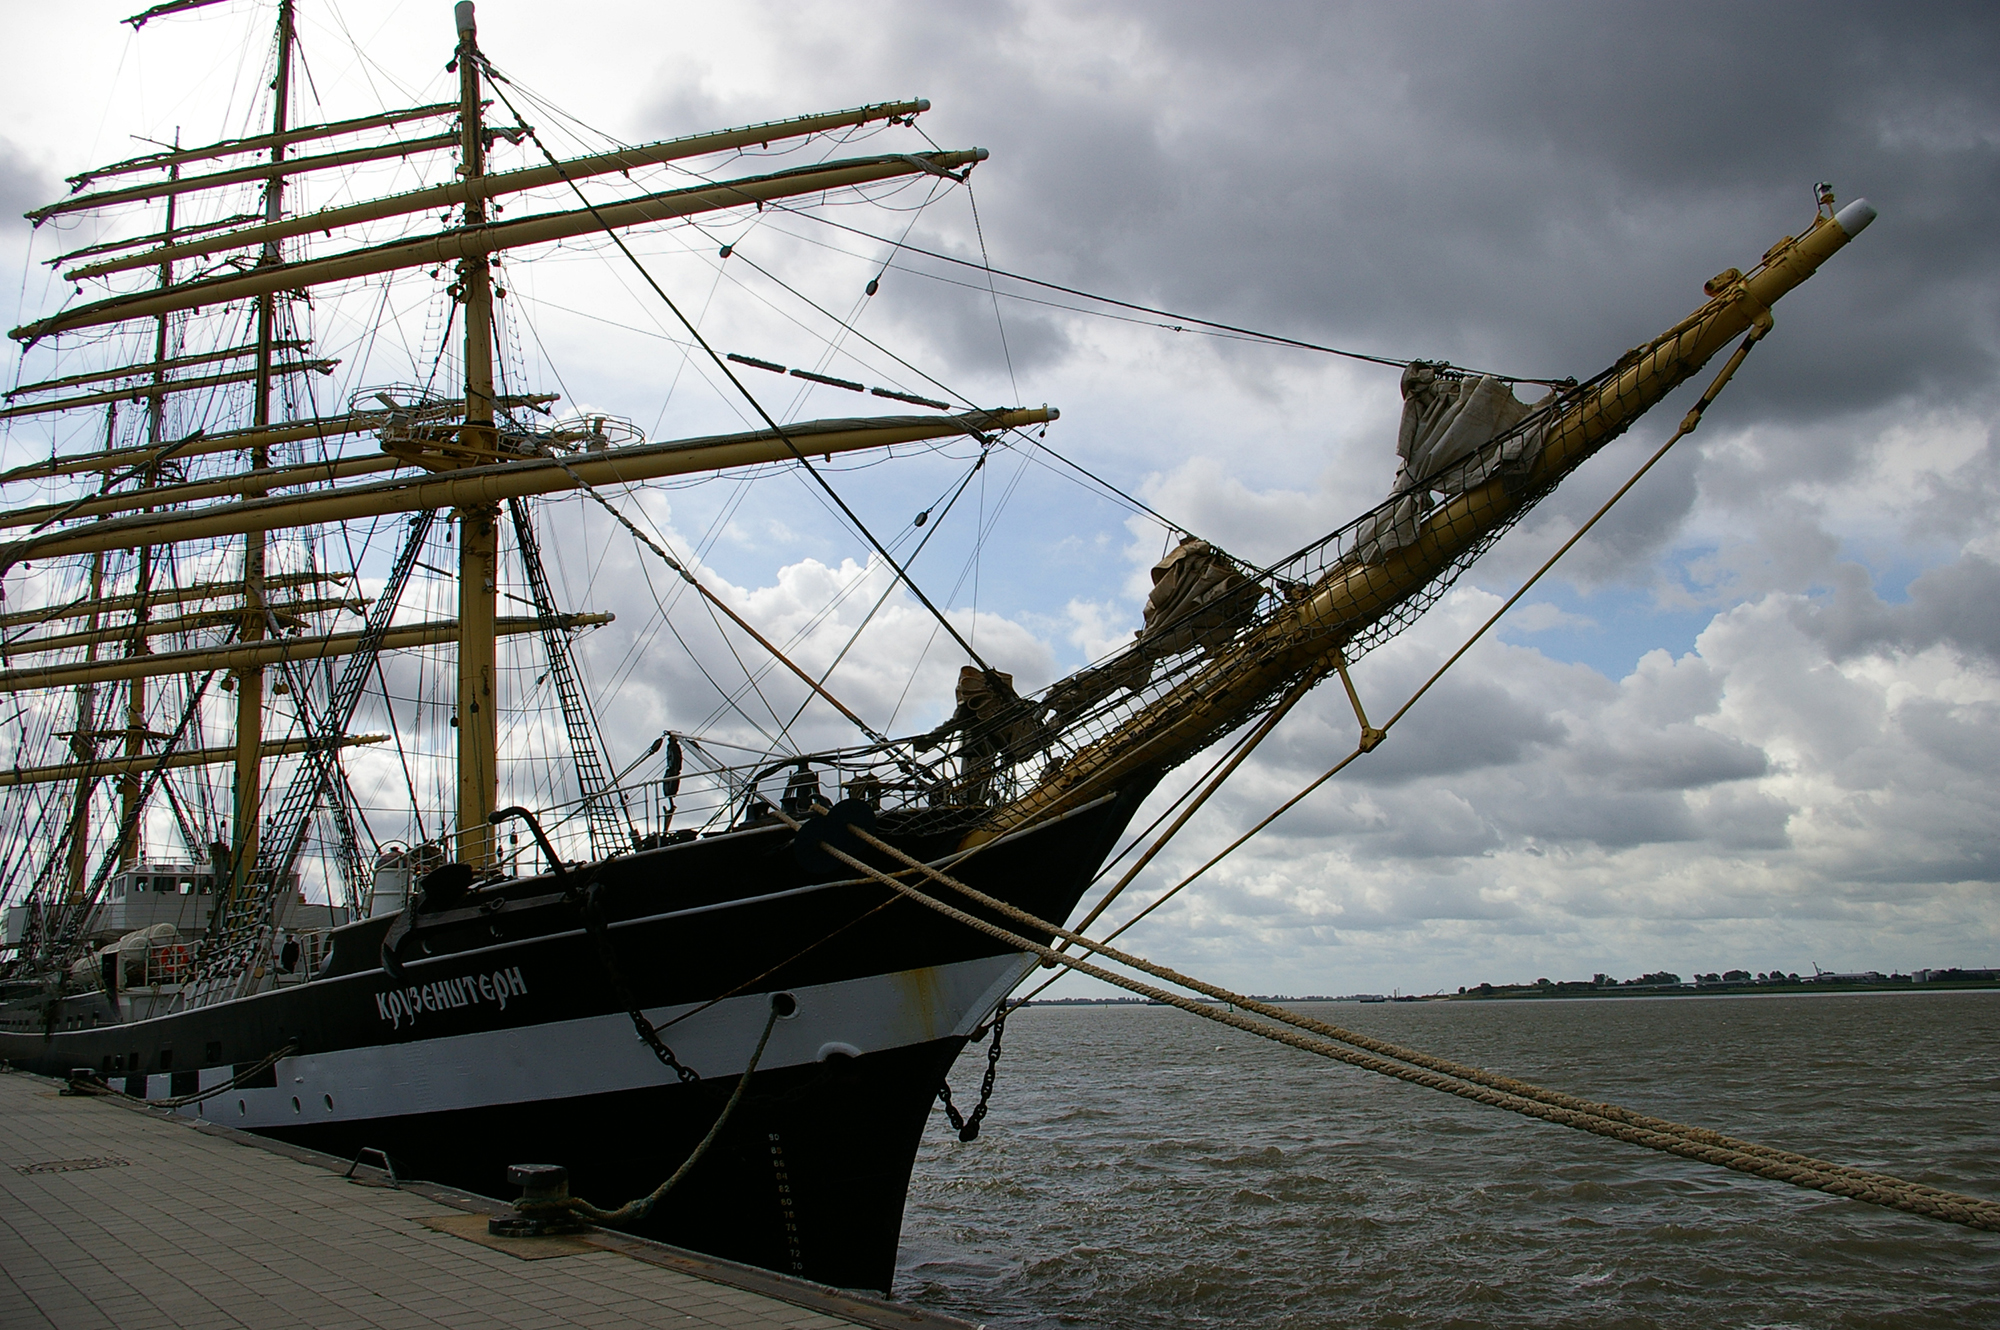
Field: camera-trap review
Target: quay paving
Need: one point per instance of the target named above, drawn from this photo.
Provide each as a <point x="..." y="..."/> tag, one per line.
<point x="114" y="1217"/>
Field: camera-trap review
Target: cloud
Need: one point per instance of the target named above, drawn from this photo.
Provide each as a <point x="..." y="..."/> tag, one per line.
<point x="1952" y="606"/>
<point x="23" y="184"/>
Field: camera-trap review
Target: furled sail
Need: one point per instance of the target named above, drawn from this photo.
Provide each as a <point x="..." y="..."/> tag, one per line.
<point x="1449" y="419"/>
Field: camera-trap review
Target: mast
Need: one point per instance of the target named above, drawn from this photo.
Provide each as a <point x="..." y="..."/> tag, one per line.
<point x="250" y="678"/>
<point x="478" y="523"/>
<point x="130" y="781"/>
<point x="83" y="741"/>
<point x="468" y="456"/>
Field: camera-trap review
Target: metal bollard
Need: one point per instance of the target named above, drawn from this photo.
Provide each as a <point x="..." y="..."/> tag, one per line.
<point x="538" y="1183"/>
<point x="83" y="1081"/>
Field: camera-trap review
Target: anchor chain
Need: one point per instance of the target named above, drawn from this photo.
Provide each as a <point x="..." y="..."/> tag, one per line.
<point x="583" y="889"/>
<point x="649" y="1035"/>
<point x="967" y="1124"/>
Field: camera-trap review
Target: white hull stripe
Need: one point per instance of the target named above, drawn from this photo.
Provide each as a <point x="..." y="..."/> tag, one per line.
<point x="603" y="1054"/>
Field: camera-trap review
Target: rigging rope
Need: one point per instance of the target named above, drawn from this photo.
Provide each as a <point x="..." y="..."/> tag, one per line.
<point x="883" y="599"/>
<point x="717" y="601"/>
<point x="1252" y="333"/>
<point x="1311" y="1035"/>
<point x="727" y="373"/>
<point x="1138" y="505"/>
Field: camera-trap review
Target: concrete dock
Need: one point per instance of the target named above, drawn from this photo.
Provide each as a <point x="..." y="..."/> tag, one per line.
<point x="121" y="1218"/>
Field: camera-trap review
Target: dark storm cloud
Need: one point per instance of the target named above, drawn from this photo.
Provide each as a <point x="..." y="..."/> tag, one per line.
<point x="1465" y="725"/>
<point x="1679" y="757"/>
<point x="1953" y="605"/>
<point x="1966" y="737"/>
<point x="1531" y="187"/>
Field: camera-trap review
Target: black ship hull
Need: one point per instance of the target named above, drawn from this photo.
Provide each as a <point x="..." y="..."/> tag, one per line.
<point x="504" y="1039"/>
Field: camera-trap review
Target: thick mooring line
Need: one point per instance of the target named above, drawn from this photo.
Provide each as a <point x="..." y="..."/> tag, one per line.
<point x="1357" y="1050"/>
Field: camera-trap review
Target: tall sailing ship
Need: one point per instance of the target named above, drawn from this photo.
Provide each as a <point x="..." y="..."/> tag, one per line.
<point x="211" y="574"/>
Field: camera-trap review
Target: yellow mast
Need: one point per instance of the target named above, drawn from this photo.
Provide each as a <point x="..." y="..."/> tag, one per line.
<point x="78" y="609"/>
<point x="153" y="390"/>
<point x="135" y="634"/>
<point x="322" y="428"/>
<point x="173" y="158"/>
<point x="472" y="493"/>
<point x="478" y="523"/>
<point x="248" y="482"/>
<point x="132" y="838"/>
<point x="153" y="367"/>
<point x="250" y="677"/>
<point x="83" y="739"/>
<point x="279" y="167"/>
<point x="457" y="243"/>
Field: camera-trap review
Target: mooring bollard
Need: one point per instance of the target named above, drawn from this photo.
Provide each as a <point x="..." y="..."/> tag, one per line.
<point x="82" y="1081"/>
<point x="540" y="1185"/>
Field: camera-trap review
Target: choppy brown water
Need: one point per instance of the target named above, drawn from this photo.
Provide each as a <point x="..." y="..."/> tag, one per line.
<point x="1143" y="1168"/>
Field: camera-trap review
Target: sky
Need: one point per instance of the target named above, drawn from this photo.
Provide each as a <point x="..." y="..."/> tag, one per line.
<point x="1751" y="721"/>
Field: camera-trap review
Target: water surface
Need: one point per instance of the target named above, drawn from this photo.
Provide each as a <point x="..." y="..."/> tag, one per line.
<point x="1144" y="1168"/>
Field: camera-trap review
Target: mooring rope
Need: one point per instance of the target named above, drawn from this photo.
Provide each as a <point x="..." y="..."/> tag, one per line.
<point x="101" y="1087"/>
<point x="1357" y="1050"/>
<point x="640" y="1207"/>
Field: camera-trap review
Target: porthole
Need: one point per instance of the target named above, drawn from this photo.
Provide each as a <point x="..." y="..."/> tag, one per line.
<point x="329" y="1102"/>
<point x="295" y="1104"/>
<point x="242" y="1109"/>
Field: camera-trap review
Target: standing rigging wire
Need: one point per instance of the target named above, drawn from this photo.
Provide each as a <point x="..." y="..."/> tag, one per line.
<point x="979" y="543"/>
<point x="701" y="547"/>
<point x="674" y="384"/>
<point x="723" y="366"/>
<point x="988" y="268"/>
<point x="714" y="603"/>
<point x="1137" y="505"/>
<point x="849" y="325"/>
<point x="978" y="547"/>
<point x="667" y="620"/>
<point x="820" y="616"/>
<point x="1686" y="427"/>
<point x="800" y="634"/>
<point x="987" y="262"/>
<point x="883" y="599"/>
<point x="402" y="756"/>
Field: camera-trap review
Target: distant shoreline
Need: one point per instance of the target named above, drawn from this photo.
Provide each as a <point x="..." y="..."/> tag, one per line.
<point x="1529" y="994"/>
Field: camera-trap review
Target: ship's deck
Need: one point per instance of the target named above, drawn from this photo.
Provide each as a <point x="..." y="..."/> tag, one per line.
<point x="115" y="1216"/>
